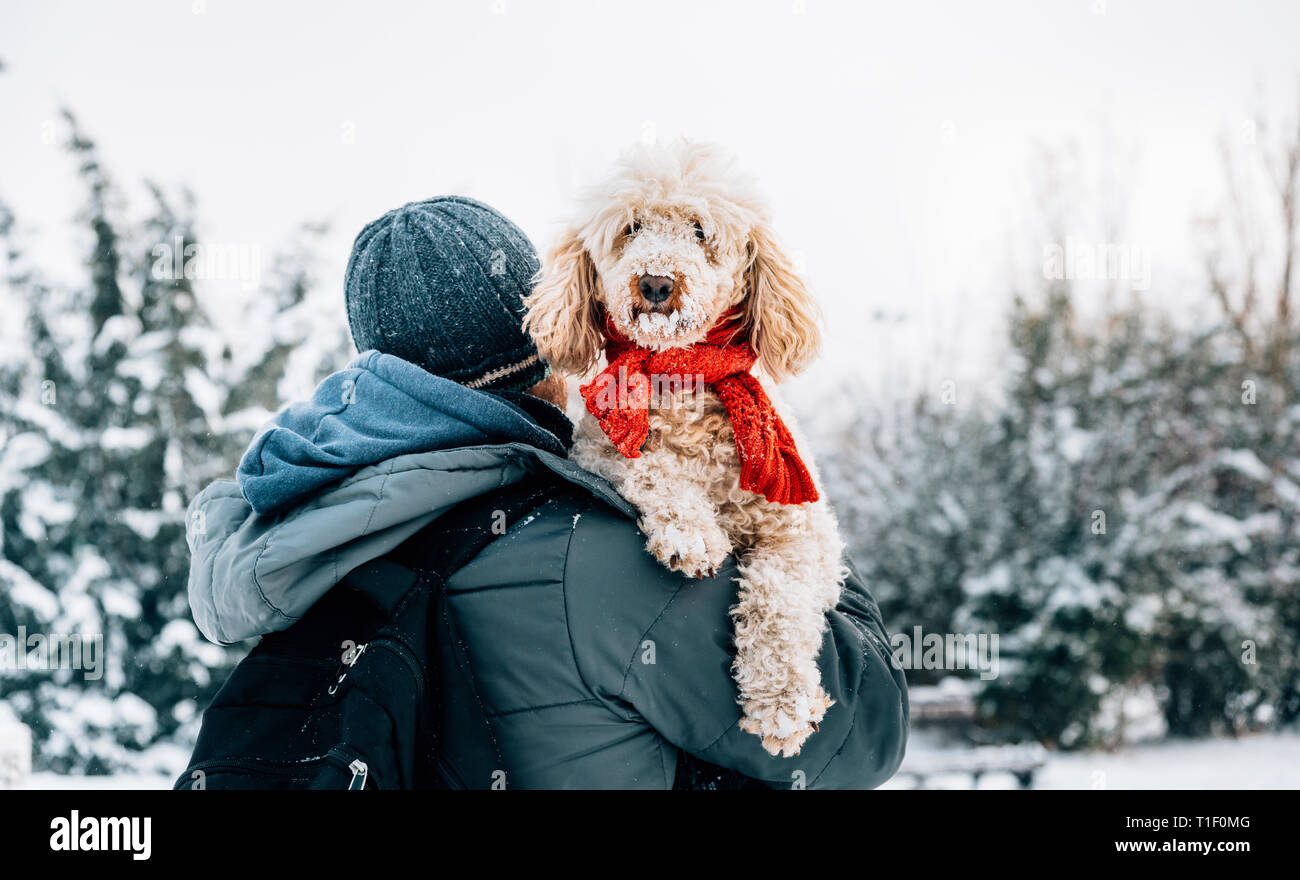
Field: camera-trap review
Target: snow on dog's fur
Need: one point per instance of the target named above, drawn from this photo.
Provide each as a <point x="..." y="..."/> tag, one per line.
<point x="682" y="212"/>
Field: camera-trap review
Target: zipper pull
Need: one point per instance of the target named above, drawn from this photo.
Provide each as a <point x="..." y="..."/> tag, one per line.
<point x="351" y="654"/>
<point x="359" y="773"/>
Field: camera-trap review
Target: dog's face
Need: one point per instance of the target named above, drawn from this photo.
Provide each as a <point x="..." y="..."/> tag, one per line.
<point x="674" y="268"/>
<point x="668" y="245"/>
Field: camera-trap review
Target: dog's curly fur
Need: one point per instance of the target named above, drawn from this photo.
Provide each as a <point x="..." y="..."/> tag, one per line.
<point x="682" y="211"/>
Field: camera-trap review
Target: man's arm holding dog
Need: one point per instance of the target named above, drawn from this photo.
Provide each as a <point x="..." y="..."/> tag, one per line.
<point x="674" y="670"/>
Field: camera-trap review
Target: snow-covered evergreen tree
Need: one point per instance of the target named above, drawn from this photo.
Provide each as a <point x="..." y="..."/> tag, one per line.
<point x="117" y="409"/>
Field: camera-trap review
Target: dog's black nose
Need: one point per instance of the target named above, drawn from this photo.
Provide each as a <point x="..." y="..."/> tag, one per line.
<point x="656" y="288"/>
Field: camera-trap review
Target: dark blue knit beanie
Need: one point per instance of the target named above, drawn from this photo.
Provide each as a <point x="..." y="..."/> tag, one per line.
<point x="440" y="283"/>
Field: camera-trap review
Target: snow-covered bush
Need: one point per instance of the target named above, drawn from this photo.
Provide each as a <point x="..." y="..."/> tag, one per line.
<point x="1123" y="515"/>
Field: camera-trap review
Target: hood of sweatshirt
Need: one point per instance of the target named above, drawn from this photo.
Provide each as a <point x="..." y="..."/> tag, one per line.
<point x="378" y="408"/>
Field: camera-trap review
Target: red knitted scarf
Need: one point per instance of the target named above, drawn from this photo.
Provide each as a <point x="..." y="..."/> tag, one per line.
<point x="619" y="398"/>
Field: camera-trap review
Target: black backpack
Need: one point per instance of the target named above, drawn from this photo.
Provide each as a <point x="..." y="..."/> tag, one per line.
<point x="347" y="697"/>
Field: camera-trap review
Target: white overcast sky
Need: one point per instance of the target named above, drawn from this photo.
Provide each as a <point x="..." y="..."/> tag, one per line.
<point x="892" y="138"/>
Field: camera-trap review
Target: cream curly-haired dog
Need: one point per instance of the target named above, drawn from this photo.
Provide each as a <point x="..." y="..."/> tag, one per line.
<point x="672" y="249"/>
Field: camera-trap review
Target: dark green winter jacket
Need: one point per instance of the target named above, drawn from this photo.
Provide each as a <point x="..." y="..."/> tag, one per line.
<point x="570" y="657"/>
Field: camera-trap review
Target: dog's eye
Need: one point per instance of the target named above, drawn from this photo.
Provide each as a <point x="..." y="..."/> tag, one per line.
<point x="699" y="231"/>
<point x="633" y="228"/>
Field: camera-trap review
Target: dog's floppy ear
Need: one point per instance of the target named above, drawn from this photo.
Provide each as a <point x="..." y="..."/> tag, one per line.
<point x="780" y="315"/>
<point x="563" y="312"/>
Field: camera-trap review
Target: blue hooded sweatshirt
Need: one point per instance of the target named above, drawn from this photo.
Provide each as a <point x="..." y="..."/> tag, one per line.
<point x="378" y="408"/>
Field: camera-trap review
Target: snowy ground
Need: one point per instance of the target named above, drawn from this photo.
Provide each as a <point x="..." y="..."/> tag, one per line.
<point x="1264" y="761"/>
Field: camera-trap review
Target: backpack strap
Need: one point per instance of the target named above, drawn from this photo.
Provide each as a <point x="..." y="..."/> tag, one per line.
<point x="450" y="541"/>
<point x="453" y="539"/>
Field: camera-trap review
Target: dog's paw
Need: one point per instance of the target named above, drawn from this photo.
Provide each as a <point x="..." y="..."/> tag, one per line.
<point x="696" y="553"/>
<point x="785" y="722"/>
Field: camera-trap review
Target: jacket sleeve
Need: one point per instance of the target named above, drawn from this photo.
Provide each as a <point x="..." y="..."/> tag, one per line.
<point x="678" y="676"/>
